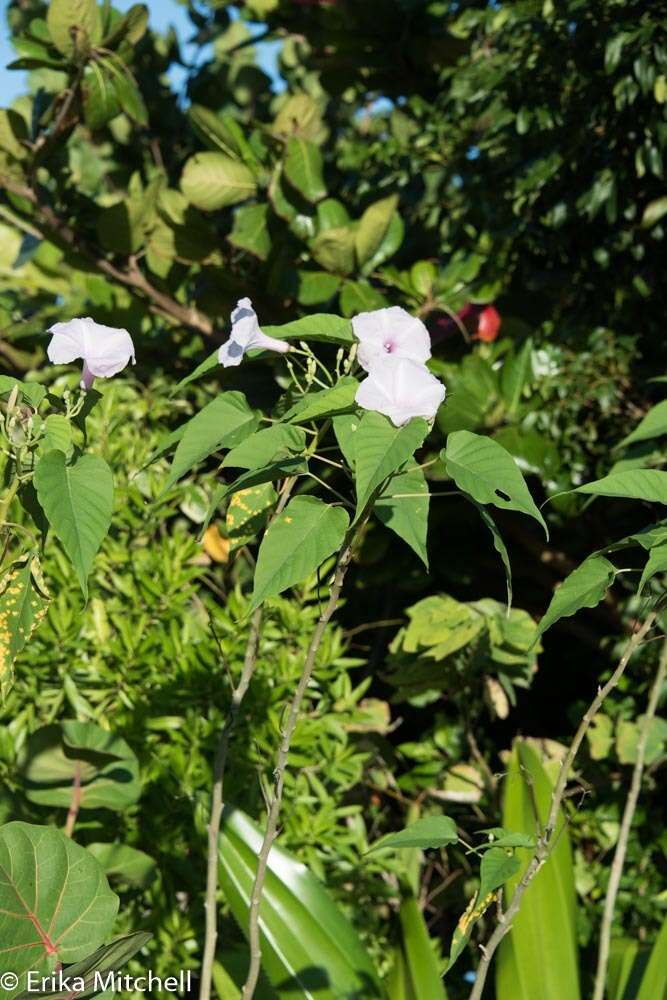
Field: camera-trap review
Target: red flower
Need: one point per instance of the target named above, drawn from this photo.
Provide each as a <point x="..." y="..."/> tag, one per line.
<point x="488" y="324"/>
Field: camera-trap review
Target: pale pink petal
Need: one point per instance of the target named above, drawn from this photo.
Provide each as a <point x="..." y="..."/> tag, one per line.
<point x="68" y="342"/>
<point x="105" y="350"/>
<point x="391" y="331"/>
<point x="401" y="389"/>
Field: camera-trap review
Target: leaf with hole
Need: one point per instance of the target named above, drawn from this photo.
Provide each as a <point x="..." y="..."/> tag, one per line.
<point x="484" y="469"/>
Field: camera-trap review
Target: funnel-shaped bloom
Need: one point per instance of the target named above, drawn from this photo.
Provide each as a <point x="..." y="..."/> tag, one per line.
<point x="246" y="336"/>
<point x="401" y="389"/>
<point x="104" y="350"/>
<point x="391" y="331"/>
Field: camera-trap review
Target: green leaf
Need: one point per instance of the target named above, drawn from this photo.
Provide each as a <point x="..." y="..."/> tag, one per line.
<point x="404" y="507"/>
<point x="418" y="971"/>
<point x="100" y="100"/>
<point x="316" y="287"/>
<point x="309" y="948"/>
<point x="31" y="392"/>
<point x="109" y="958"/>
<point x="13" y="137"/>
<point x="303" y="168"/>
<point x="325" y="402"/>
<point x="626" y="966"/>
<point x="250" y="230"/>
<point x="129" y="95"/>
<point x="431" y="831"/>
<point x="130" y="28"/>
<point x="633" y="484"/>
<point x="212" y="181"/>
<point x="266" y="446"/>
<point x="319" y="327"/>
<point x="247" y="513"/>
<point x="334" y="250"/>
<point x="533" y="961"/>
<point x="207" y="365"/>
<point x="78" y="503"/>
<point x="57" y="434"/>
<point x="295" y="544"/>
<point x="373" y="227"/>
<point x="585" y="587"/>
<point x="484" y="469"/>
<point x="223" y="423"/>
<point x="48" y="885"/>
<point x="653" y="425"/>
<point x="281" y="469"/>
<point x="22" y="608"/>
<point x="514" y="376"/>
<point x="359" y="296"/>
<point x="222" y="133"/>
<point x="498" y="545"/>
<point x="654" y="981"/>
<point x="654" y="211"/>
<point x="126" y="863"/>
<point x="380" y="449"/>
<point x="656" y="563"/>
<point x="57" y="756"/>
<point x="390" y="244"/>
<point x="498" y="866"/>
<point x="74" y="25"/>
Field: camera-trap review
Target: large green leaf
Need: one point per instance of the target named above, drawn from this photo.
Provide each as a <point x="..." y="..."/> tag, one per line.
<point x="22" y="607"/>
<point x="78" y="502"/>
<point x="585" y="587"/>
<point x="325" y="402"/>
<point x="415" y="974"/>
<point x="295" y="544"/>
<point x="265" y="446"/>
<point x="58" y="757"/>
<point x="484" y="469"/>
<point x="334" y="250"/>
<point x="656" y="563"/>
<point x="380" y="449"/>
<point x="55" y="902"/>
<point x="499" y="546"/>
<point x="538" y="959"/>
<point x="212" y="180"/>
<point x="309" y="949"/>
<point x="110" y="958"/>
<point x="430" y="831"/>
<point x="632" y="484"/>
<point x="74" y="25"/>
<point x="404" y="507"/>
<point x="223" y="423"/>
<point x="304" y="169"/>
<point x="653" y="425"/>
<point x="250" y="230"/>
<point x="320" y="326"/>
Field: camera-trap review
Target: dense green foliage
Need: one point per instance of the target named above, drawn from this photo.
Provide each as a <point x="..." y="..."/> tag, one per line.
<point x="436" y="156"/>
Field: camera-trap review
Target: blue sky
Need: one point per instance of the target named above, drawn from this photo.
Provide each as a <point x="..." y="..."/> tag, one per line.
<point x="162" y="14"/>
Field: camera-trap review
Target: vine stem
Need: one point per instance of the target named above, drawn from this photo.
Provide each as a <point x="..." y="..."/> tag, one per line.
<point x="342" y="564"/>
<point x="626" y="826"/>
<point x="546" y="841"/>
<point x="217" y="798"/>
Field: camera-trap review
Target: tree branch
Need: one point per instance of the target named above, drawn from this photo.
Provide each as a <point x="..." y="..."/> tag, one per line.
<point x="546" y="841"/>
<point x="50" y="225"/>
<point x="626" y="825"/>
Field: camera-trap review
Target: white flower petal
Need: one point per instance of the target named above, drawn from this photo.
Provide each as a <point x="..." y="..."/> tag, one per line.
<point x="400" y="389"/>
<point x="105" y="350"/>
<point x="246" y="336"/>
<point x="230" y="354"/>
<point x="393" y="332"/>
<point x="261" y="341"/>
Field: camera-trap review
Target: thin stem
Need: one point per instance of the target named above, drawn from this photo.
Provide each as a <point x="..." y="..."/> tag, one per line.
<point x="546" y="841"/>
<point x="215" y="820"/>
<point x="217" y="799"/>
<point x="626" y="825"/>
<point x="6" y="501"/>
<point x="75" y="801"/>
<point x="344" y="557"/>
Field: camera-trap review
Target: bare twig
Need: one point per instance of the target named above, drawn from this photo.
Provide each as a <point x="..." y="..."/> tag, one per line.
<point x="75" y="801"/>
<point x="546" y="840"/>
<point x="271" y="833"/>
<point x="626" y="825"/>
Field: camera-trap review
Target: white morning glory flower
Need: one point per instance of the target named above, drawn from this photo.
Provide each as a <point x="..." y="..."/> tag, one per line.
<point x="390" y="331"/>
<point x="401" y="389"/>
<point x="246" y="336"/>
<point x="105" y="350"/>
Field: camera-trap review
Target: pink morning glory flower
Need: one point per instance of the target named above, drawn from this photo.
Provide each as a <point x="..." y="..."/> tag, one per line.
<point x="104" y="350"/>
<point x="246" y="336"/>
<point x="401" y="389"/>
<point x="391" y="331"/>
